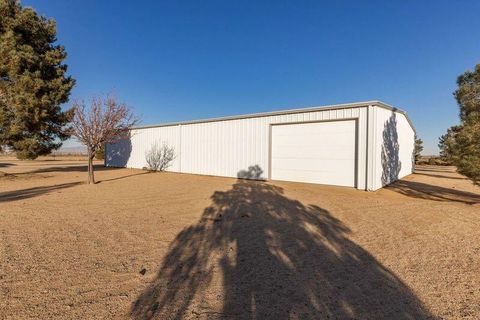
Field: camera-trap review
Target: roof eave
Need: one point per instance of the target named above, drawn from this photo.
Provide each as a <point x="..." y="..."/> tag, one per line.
<point x="282" y="112"/>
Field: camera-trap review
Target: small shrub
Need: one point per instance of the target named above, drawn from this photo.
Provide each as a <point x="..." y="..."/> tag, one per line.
<point x="100" y="154"/>
<point x="159" y="158"/>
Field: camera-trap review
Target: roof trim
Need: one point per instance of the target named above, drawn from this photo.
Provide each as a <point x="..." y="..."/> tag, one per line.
<point x="395" y="109"/>
<point x="282" y="112"/>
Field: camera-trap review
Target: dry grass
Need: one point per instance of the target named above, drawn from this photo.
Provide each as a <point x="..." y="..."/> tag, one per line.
<point x="170" y="245"/>
<point x="50" y="157"/>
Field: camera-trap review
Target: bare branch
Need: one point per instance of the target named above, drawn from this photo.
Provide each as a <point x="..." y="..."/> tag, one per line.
<point x="159" y="158"/>
<point x="105" y="120"/>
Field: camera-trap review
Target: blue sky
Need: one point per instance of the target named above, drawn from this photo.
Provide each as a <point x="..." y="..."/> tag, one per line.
<point x="182" y="60"/>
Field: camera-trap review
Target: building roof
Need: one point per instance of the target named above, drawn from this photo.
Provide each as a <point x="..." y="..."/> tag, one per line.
<point x="289" y="111"/>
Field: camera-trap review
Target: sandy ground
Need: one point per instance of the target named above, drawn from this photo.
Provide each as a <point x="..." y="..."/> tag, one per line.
<point x="169" y="246"/>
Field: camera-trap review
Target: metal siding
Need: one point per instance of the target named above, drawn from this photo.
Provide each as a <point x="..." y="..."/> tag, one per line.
<point x="146" y="138"/>
<point x="392" y="136"/>
<point x="361" y="115"/>
<point x="406" y="138"/>
<point x="223" y="148"/>
<point x="315" y="152"/>
<point x="370" y="148"/>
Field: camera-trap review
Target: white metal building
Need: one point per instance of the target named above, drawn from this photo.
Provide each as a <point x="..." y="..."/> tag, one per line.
<point x="365" y="145"/>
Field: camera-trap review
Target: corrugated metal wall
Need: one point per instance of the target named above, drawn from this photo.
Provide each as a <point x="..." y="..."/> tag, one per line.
<point x="131" y="152"/>
<point x="392" y="141"/>
<point x="224" y="148"/>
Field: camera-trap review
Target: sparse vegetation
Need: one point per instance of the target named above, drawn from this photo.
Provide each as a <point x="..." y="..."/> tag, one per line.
<point x="159" y="157"/>
<point x="432" y="160"/>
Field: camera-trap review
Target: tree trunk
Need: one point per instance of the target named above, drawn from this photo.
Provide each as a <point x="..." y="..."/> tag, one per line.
<point x="91" y="177"/>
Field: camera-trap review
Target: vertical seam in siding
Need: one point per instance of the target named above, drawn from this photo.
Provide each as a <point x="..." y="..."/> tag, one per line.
<point x="367" y="142"/>
<point x="269" y="151"/>
<point x="180" y="148"/>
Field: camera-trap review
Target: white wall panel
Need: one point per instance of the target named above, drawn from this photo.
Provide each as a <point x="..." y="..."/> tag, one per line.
<point x="393" y="143"/>
<point x="226" y="147"/>
<point x="131" y="152"/>
<point x="316" y="152"/>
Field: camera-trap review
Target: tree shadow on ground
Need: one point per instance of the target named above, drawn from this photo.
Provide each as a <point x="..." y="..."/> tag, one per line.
<point x="441" y="176"/>
<point x="6" y="164"/>
<point x="67" y="168"/>
<point x="277" y="259"/>
<point x="74" y="168"/>
<point x="434" y="172"/>
<point x="431" y="192"/>
<point x="77" y="168"/>
<point x="124" y="177"/>
<point x="435" y="168"/>
<point x="33" y="192"/>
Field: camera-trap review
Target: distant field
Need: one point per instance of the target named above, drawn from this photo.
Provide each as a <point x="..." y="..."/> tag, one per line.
<point x="432" y="160"/>
<point x="55" y="156"/>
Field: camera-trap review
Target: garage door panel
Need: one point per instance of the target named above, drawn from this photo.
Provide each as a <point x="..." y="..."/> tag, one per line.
<point x="294" y="139"/>
<point x="341" y="151"/>
<point x="329" y="129"/>
<point x="318" y="177"/>
<point x="322" y="152"/>
<point x="328" y="165"/>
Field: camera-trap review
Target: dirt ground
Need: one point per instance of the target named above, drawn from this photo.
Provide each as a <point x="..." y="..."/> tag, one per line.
<point x="169" y="246"/>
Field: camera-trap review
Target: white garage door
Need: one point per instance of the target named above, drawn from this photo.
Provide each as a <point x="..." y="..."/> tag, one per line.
<point x="321" y="152"/>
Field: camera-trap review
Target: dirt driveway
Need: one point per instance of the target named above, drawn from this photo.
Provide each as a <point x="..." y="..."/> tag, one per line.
<point x="164" y="245"/>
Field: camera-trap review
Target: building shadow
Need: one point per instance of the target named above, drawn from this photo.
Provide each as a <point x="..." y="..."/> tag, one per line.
<point x="33" y="192"/>
<point x="391" y="164"/>
<point x="277" y="259"/>
<point x="426" y="191"/>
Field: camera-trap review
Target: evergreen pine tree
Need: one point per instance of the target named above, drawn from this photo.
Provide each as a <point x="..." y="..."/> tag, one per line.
<point x="33" y="82"/>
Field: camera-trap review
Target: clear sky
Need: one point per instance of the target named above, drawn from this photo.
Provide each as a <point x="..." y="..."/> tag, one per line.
<point x="183" y="60"/>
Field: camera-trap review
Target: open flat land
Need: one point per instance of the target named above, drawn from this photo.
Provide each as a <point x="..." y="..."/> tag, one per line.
<point x="167" y="246"/>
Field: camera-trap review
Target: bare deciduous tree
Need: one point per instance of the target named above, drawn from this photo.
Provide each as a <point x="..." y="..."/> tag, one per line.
<point x="159" y="158"/>
<point x="105" y="121"/>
